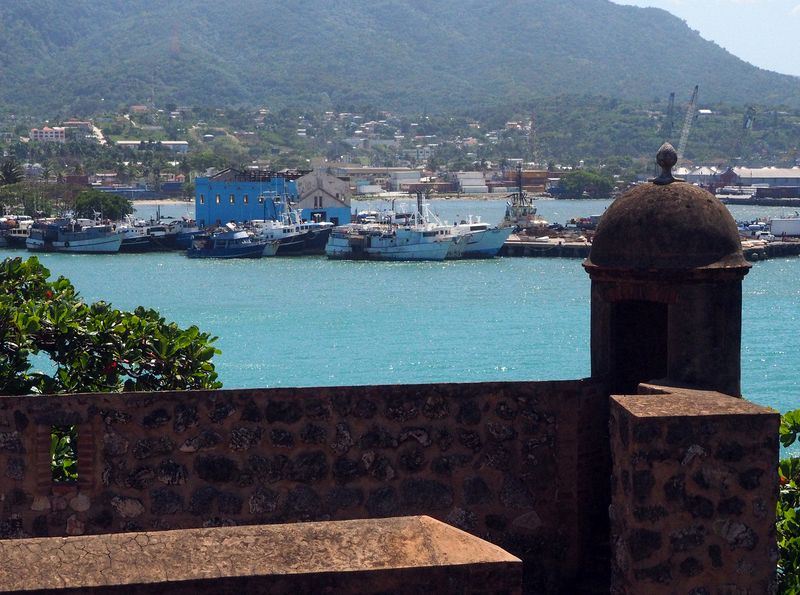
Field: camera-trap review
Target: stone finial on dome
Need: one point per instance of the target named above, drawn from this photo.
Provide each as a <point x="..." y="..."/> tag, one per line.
<point x="666" y="157"/>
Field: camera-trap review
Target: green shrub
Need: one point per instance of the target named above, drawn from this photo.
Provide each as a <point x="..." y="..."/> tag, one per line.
<point x="788" y="513"/>
<point x="92" y="347"/>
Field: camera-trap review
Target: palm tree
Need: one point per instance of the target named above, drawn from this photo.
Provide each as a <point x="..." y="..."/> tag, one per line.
<point x="11" y="172"/>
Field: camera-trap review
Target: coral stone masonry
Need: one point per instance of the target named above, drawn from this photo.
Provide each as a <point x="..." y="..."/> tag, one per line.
<point x="400" y="555"/>
<point x="694" y="490"/>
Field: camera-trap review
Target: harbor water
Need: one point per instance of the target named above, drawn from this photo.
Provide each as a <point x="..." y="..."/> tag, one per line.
<point x="308" y="321"/>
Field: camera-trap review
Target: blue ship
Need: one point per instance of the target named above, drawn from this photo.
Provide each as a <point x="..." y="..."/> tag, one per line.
<point x="228" y="242"/>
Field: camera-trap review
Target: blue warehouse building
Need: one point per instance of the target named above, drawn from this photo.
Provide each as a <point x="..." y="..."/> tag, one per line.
<point x="235" y="195"/>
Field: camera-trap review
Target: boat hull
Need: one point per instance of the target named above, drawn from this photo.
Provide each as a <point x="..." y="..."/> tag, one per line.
<point x="398" y="247"/>
<point x="250" y="251"/>
<point x="136" y="245"/>
<point x="108" y="245"/>
<point x="484" y="244"/>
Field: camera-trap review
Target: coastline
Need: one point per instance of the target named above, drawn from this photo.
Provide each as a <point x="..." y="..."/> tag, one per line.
<point x="152" y="202"/>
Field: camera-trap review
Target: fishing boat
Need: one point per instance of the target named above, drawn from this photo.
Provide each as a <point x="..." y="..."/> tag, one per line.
<point x="293" y="235"/>
<point x="398" y="236"/>
<point x="479" y="239"/>
<point x="16" y="230"/>
<point x="472" y="238"/>
<point x="377" y="241"/>
<point x="75" y="236"/>
<point x="520" y="213"/>
<point x="185" y="230"/>
<point x="230" y="242"/>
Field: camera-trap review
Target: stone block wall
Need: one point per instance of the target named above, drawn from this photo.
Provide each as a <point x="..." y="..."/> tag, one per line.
<point x="694" y="490"/>
<point x="523" y="465"/>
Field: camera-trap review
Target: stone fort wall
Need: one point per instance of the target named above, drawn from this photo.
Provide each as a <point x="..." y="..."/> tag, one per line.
<point x="525" y="465"/>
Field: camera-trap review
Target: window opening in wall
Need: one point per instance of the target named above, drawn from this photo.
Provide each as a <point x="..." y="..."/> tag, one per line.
<point x="64" y="454"/>
<point x="218" y="199"/>
<point x="246" y="199"/>
<point x="232" y="198"/>
<point x="202" y="199"/>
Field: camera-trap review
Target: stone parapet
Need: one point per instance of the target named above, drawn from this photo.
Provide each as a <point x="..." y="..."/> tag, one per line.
<point x="694" y="490"/>
<point x="523" y="465"/>
<point x="396" y="555"/>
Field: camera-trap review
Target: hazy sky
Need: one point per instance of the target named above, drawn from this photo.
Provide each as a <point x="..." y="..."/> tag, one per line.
<point x="765" y="33"/>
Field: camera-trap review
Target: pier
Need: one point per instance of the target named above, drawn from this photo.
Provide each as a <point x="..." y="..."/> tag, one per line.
<point x="557" y="247"/>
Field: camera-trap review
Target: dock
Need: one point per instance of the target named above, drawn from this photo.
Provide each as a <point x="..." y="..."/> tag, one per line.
<point x="552" y="247"/>
<point x="556" y="247"/>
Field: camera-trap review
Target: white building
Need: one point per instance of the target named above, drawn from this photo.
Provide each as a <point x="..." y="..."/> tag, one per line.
<point x="768" y="176"/>
<point x="471" y="182"/>
<point x="56" y="134"/>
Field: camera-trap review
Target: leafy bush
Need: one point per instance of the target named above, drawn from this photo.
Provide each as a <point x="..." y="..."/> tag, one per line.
<point x="92" y="347"/>
<point x="788" y="513"/>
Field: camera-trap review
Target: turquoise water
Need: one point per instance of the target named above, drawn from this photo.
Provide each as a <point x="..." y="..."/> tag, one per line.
<point x="313" y="322"/>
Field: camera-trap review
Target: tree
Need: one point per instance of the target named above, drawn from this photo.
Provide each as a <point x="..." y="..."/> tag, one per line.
<point x="92" y="347"/>
<point x="112" y="206"/>
<point x="582" y="183"/>
<point x="788" y="511"/>
<point x="11" y="172"/>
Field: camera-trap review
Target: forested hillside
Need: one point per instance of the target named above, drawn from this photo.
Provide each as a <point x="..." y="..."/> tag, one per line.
<point x="85" y="56"/>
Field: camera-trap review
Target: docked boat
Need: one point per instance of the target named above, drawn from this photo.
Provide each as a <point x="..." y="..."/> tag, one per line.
<point x="378" y="241"/>
<point x="16" y="230"/>
<point x="73" y="236"/>
<point x="140" y="235"/>
<point x="185" y="230"/>
<point x="230" y="242"/>
<point x="521" y="215"/>
<point x="480" y="240"/>
<point x="471" y="238"/>
<point x="397" y="236"/>
<point x="293" y="235"/>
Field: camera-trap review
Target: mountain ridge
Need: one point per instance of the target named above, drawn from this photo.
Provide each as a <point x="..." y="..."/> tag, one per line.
<point x="403" y="55"/>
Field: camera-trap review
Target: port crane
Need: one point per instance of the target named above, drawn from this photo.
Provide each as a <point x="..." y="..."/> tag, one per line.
<point x="687" y="122"/>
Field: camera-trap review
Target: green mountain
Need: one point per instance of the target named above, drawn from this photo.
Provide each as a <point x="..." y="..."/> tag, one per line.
<point x="80" y="56"/>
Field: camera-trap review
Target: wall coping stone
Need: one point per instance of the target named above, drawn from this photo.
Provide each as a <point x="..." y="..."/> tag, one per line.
<point x="268" y="552"/>
<point x="671" y="402"/>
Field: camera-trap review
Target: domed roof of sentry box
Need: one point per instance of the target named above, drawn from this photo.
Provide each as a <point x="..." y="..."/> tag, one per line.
<point x="666" y="224"/>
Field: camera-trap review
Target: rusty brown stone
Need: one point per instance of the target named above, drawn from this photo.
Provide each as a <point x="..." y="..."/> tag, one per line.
<point x="401" y="555"/>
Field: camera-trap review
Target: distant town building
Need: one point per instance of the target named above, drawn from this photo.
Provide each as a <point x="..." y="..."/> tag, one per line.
<point x="56" y="134"/>
<point x="764" y="176"/>
<point x="471" y="182"/>
<point x="323" y="197"/>
<point x="420" y="152"/>
<point x="76" y="180"/>
<point x="176" y="146"/>
<point x="400" y="181"/>
<point x="79" y="124"/>
<point x="699" y="175"/>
